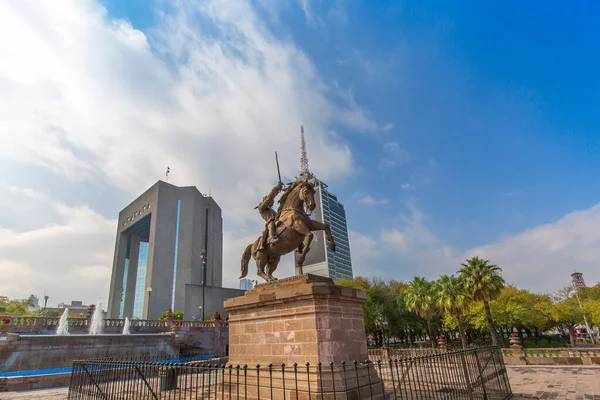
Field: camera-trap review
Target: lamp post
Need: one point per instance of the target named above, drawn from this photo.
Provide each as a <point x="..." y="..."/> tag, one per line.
<point x="149" y="290"/>
<point x="584" y="318"/>
<point x="203" y="258"/>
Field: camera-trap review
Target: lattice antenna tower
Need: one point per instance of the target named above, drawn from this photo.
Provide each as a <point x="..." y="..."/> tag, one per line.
<point x="304" y="159"/>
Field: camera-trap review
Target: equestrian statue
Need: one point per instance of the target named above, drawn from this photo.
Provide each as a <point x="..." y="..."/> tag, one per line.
<point x="286" y="230"/>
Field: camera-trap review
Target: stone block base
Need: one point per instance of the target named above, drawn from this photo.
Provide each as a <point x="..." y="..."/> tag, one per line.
<point x="290" y="323"/>
<point x="315" y="384"/>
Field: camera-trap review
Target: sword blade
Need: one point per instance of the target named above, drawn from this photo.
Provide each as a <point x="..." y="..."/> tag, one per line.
<point x="277" y="162"/>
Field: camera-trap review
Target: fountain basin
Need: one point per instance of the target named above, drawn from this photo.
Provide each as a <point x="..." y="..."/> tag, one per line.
<point x="39" y="352"/>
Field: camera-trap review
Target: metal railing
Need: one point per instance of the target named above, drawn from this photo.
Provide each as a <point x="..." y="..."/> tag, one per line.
<point x="473" y="374"/>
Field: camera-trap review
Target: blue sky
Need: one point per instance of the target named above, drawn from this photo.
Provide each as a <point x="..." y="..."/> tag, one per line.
<point x="495" y="103"/>
<point x="447" y="129"/>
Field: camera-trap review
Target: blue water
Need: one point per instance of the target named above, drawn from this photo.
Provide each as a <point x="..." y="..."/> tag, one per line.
<point x="49" y="371"/>
<point x="31" y="372"/>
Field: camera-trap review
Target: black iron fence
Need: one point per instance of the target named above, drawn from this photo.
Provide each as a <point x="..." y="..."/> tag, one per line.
<point x="475" y="373"/>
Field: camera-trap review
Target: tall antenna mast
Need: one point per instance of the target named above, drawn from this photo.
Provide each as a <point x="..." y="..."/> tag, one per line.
<point x="304" y="159"/>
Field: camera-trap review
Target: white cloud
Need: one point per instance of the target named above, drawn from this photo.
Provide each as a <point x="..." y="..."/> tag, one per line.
<point x="540" y="259"/>
<point x="394" y="155"/>
<point x="544" y="257"/>
<point x="405" y="186"/>
<point x="365" y="254"/>
<point x="371" y="201"/>
<point x="105" y="107"/>
<point x="388" y="127"/>
<point x="413" y="234"/>
<point x="68" y="260"/>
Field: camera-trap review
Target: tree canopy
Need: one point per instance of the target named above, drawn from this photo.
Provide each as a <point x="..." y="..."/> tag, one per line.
<point x="416" y="310"/>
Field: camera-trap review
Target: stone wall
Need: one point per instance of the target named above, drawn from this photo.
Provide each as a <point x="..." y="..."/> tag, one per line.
<point x="199" y="341"/>
<point x="8" y="384"/>
<point x="552" y="356"/>
<point x="48" y="325"/>
<point x="19" y="353"/>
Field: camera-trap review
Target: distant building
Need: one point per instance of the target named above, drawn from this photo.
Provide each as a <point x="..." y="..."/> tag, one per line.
<point x="246" y="284"/>
<point x="168" y="254"/>
<point x="35" y="303"/>
<point x="320" y="260"/>
<point x="74" y="306"/>
<point x="578" y="281"/>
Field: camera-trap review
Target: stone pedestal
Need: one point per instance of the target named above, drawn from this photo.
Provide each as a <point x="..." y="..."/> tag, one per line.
<point x="303" y="319"/>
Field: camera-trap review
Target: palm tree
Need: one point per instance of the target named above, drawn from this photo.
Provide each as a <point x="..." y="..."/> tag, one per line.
<point x="419" y="298"/>
<point x="451" y="296"/>
<point x="483" y="282"/>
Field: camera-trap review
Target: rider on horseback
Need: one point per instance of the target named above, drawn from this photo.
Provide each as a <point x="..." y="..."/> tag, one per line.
<point x="266" y="211"/>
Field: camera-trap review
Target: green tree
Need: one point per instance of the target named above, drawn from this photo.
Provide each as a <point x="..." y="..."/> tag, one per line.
<point x="177" y="315"/>
<point x="419" y="298"/>
<point x="483" y="283"/>
<point x="450" y="295"/>
<point x="15" y="307"/>
<point x="383" y="317"/>
<point x="590" y="293"/>
<point x="568" y="315"/>
<point x="523" y="310"/>
<point x="592" y="310"/>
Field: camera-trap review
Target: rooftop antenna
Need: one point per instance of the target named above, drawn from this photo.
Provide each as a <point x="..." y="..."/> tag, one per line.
<point x="167" y="173"/>
<point x="304" y="171"/>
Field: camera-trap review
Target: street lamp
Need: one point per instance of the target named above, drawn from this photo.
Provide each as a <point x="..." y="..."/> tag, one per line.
<point x="203" y="258"/>
<point x="584" y="318"/>
<point x="149" y="290"/>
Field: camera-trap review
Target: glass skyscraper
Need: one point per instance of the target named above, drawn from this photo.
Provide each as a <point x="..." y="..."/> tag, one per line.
<point x="320" y="260"/>
<point x="246" y="284"/>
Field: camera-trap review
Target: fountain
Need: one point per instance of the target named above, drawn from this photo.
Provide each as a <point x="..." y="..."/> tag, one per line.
<point x="97" y="322"/>
<point x="63" y="324"/>
<point x="126" y="326"/>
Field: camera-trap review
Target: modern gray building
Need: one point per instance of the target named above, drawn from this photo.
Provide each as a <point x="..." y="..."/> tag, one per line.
<point x="168" y="254"/>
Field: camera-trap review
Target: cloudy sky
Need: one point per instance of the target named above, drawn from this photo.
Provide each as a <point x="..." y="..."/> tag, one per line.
<point x="446" y="131"/>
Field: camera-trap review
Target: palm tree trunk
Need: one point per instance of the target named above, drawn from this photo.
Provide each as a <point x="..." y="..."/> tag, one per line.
<point x="461" y="332"/>
<point x="488" y="315"/>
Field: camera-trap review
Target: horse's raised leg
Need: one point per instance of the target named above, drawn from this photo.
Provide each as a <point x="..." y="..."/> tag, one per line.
<point x="261" y="261"/>
<point x="272" y="266"/>
<point x="300" y="226"/>
<point x="308" y="239"/>
<point x="319" y="226"/>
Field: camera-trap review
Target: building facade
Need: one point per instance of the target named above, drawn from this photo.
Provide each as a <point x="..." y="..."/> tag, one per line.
<point x="157" y="261"/>
<point x="74" y="306"/>
<point x="320" y="260"/>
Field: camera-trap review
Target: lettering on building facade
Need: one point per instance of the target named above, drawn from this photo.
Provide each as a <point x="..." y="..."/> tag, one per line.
<point x="136" y="214"/>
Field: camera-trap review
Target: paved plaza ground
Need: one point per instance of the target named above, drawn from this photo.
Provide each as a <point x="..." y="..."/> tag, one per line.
<point x="555" y="382"/>
<point x="527" y="382"/>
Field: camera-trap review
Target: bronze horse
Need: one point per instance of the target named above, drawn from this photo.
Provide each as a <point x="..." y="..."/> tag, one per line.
<point x="294" y="230"/>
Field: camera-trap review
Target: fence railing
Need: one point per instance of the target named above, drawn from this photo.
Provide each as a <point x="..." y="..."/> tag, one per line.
<point x="475" y="373"/>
